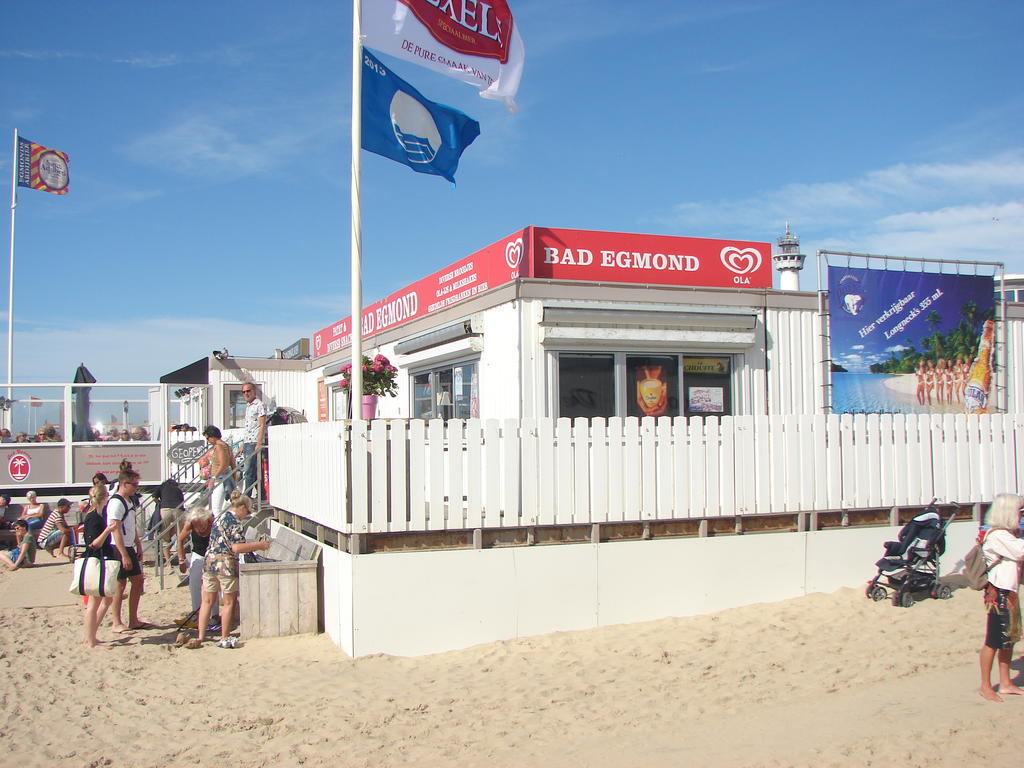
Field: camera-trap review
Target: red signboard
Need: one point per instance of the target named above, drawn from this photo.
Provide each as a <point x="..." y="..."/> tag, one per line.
<point x="564" y="254"/>
<point x="322" y="408"/>
<point x="466" y="278"/>
<point x="617" y="257"/>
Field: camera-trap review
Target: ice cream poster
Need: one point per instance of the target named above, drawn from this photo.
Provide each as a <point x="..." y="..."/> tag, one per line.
<point x="910" y="342"/>
<point x="655" y="384"/>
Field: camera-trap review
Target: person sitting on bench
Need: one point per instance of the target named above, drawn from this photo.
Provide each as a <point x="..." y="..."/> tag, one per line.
<point x="24" y="554"/>
<point x="33" y="513"/>
<point x="55" y="533"/>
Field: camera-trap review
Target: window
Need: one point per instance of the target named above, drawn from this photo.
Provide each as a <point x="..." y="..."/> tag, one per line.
<point x="339" y="403"/>
<point x="586" y="385"/>
<point x="450" y="392"/>
<point x="621" y="384"/>
<point x="234" y="405"/>
<point x="100" y="413"/>
<point x="707" y="382"/>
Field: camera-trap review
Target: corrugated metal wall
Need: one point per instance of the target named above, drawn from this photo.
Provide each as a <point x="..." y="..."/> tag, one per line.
<point x="1014" y="363"/>
<point x="794" y="362"/>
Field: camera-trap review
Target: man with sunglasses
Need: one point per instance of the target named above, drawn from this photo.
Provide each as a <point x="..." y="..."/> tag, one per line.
<point x="253" y="439"/>
<point x="121" y="512"/>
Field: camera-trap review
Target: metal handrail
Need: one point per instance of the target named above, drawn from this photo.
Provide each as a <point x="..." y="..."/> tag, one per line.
<point x="192" y="498"/>
<point x="199" y="498"/>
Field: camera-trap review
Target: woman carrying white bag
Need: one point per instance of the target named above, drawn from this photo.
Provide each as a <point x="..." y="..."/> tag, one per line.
<point x="96" y="535"/>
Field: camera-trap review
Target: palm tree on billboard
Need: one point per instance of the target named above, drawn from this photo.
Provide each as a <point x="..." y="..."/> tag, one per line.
<point x="933" y="319"/>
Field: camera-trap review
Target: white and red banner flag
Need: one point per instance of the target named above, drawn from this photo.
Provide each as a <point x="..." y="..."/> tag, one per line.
<point x="475" y="41"/>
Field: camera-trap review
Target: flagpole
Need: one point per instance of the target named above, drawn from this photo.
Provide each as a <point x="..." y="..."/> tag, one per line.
<point x="10" y="288"/>
<point x="356" y="384"/>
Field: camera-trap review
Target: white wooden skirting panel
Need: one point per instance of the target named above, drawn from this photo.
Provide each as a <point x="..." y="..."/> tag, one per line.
<point x="413" y="603"/>
<point x="392" y="476"/>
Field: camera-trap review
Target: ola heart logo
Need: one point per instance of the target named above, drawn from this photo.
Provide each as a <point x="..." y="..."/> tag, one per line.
<point x="514" y="252"/>
<point x="741" y="261"/>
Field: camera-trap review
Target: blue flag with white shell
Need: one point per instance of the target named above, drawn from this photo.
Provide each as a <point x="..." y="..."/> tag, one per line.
<point x="401" y="124"/>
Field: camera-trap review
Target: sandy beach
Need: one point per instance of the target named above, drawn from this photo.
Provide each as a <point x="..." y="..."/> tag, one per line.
<point x="824" y="680"/>
<point x="903" y="389"/>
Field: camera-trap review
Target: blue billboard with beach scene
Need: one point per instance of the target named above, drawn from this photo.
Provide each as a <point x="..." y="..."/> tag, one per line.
<point x="910" y="342"/>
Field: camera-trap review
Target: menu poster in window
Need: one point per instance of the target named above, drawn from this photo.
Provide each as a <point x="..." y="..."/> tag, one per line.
<point x="705" y="399"/>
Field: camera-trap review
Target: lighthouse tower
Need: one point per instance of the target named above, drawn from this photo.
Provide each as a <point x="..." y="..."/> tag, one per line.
<point x="789" y="261"/>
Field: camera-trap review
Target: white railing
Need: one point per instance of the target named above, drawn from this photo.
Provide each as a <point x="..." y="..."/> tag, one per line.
<point x="398" y="475"/>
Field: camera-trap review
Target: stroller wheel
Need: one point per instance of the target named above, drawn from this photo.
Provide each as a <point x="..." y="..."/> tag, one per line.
<point x="877" y="593"/>
<point x="903" y="599"/>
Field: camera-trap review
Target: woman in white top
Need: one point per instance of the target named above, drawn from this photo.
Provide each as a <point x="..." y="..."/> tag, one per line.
<point x="34" y="513"/>
<point x="1004" y="552"/>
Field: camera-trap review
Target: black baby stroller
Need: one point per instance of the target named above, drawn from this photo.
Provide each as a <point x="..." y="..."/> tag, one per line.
<point x="912" y="563"/>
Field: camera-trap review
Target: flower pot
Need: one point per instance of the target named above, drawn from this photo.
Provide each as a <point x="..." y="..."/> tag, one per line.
<point x="369" y="406"/>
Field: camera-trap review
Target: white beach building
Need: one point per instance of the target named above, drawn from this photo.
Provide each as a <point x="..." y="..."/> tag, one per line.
<point x="588" y="425"/>
<point x="560" y="333"/>
<point x="585" y="422"/>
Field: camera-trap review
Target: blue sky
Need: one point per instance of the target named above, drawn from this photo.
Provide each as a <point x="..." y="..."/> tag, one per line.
<point x="209" y="145"/>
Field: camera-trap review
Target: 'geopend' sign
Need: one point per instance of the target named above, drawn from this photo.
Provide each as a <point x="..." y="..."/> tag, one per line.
<point x="186" y="453"/>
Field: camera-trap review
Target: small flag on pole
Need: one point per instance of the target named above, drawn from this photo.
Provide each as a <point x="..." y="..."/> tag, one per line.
<point x="42" y="168"/>
<point x="401" y="124"/>
<point x="472" y="41"/>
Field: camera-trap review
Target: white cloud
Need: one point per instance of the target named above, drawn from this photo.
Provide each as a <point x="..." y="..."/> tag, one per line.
<point x="151" y="60"/>
<point x="320" y="305"/>
<point x="200" y="145"/>
<point x="228" y="142"/>
<point x="970" y="211"/>
<point x="874" y="194"/>
<point x="712" y="69"/>
<point x="144" y="60"/>
<point x="139" y="349"/>
<point x="548" y="26"/>
<point x="970" y="232"/>
<point x="39" y="55"/>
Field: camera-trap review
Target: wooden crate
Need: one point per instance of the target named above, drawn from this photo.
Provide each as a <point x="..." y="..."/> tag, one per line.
<point x="278" y="598"/>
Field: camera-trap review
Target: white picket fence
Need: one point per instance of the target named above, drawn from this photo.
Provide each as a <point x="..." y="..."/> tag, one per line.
<point x="399" y="475"/>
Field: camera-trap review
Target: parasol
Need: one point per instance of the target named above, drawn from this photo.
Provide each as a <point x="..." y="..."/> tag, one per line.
<point x="80" y="430"/>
